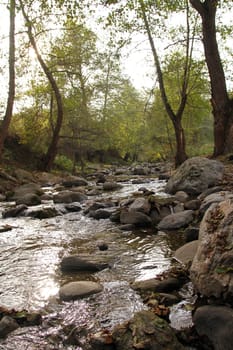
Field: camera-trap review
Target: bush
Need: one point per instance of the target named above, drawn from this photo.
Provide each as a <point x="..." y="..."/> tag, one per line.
<point x="63" y="163"/>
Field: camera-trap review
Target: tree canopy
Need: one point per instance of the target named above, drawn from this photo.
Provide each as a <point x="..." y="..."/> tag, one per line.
<point x="77" y="100"/>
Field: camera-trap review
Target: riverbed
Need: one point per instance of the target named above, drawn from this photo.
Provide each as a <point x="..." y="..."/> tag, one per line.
<point x="30" y="275"/>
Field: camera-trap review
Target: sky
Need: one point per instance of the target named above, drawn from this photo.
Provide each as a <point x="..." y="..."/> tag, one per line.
<point x="136" y="59"/>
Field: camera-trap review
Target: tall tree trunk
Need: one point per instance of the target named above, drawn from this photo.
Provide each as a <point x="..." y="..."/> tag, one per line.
<point x="52" y="149"/>
<point x="221" y="103"/>
<point x="176" y="118"/>
<point x="11" y="93"/>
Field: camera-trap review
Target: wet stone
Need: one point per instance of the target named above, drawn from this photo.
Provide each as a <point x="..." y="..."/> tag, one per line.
<point x="75" y="290"/>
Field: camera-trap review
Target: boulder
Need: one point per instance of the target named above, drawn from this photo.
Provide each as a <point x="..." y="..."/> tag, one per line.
<point x="74" y="181"/>
<point x="76" y="263"/>
<point x="14" y="211"/>
<point x="195" y="175"/>
<point x="111" y="186"/>
<point x="75" y="290"/>
<point x="145" y="331"/>
<point x="212" y="267"/>
<point x="7" y="325"/>
<point x="165" y="286"/>
<point x="69" y="197"/>
<point x="24" y="175"/>
<point x="215" y="323"/>
<point x="43" y="212"/>
<point x="186" y="253"/>
<point x="29" y="199"/>
<point x="177" y="220"/>
<point x="28" y="193"/>
<point x="141" y="170"/>
<point x="140" y="204"/>
<point x="73" y="207"/>
<point x="100" y="214"/>
<point x="135" y="217"/>
<point x="214" y="198"/>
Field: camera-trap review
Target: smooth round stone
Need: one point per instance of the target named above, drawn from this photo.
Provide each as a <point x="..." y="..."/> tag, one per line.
<point x="75" y="290"/>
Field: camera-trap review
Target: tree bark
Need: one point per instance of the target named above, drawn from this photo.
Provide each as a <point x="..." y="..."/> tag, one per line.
<point x="11" y="94"/>
<point x="222" y="106"/>
<point x="52" y="149"/>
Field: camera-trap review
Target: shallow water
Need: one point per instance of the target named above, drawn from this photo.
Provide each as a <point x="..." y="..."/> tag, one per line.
<point x="30" y="276"/>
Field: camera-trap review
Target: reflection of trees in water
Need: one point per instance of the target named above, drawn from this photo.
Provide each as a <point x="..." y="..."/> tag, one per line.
<point x="173" y="239"/>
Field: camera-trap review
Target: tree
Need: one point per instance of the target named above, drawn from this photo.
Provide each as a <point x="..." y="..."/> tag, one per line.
<point x="11" y="94"/>
<point x="52" y="149"/>
<point x="147" y="19"/>
<point x="222" y="104"/>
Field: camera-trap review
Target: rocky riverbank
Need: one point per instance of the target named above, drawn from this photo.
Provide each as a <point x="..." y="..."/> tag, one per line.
<point x="199" y="204"/>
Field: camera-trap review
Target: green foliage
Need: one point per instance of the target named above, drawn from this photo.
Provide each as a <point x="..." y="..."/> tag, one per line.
<point x="63" y="163"/>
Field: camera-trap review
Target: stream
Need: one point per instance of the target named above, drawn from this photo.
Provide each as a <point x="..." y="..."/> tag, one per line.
<point x="30" y="275"/>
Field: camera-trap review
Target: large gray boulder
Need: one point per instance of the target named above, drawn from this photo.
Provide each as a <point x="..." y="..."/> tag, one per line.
<point x="212" y="267"/>
<point x="177" y="220"/>
<point x="215" y="323"/>
<point x="195" y="175"/>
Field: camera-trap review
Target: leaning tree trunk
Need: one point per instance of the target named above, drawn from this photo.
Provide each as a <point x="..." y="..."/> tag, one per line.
<point x="52" y="149"/>
<point x="221" y="103"/>
<point x="11" y="94"/>
<point x="176" y="118"/>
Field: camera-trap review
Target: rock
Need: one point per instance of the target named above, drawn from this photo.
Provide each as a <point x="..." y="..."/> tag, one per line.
<point x="216" y="323"/>
<point x="111" y="186"/>
<point x="26" y="190"/>
<point x="15" y="211"/>
<point x="100" y="214"/>
<point x="73" y="207"/>
<point x="145" y="331"/>
<point x="191" y="234"/>
<point x="177" y="220"/>
<point x="181" y="196"/>
<point x="42" y="212"/>
<point x="140" y="204"/>
<point x="29" y="199"/>
<point x="168" y="299"/>
<point x="5" y="228"/>
<point x="102" y="246"/>
<point x="136" y="218"/>
<point x="192" y="205"/>
<point x="74" y="181"/>
<point x="76" y="263"/>
<point x="23" y="175"/>
<point x="214" y="198"/>
<point x="2" y="197"/>
<point x="166" y="286"/>
<point x="127" y="227"/>
<point x="195" y="175"/>
<point x="141" y="170"/>
<point x="212" y="267"/>
<point x="75" y="290"/>
<point x="7" y="325"/>
<point x="186" y="253"/>
<point x="69" y="197"/>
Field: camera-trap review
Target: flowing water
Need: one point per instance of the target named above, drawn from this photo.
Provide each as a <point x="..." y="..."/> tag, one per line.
<point x="30" y="276"/>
